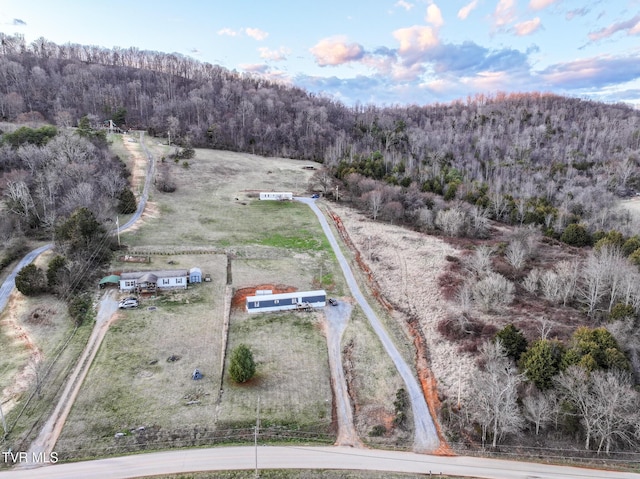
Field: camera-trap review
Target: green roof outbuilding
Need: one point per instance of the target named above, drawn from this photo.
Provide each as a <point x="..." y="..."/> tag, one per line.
<point x="113" y="279"/>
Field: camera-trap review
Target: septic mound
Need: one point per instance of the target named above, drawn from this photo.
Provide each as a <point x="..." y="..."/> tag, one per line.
<point x="240" y="297"/>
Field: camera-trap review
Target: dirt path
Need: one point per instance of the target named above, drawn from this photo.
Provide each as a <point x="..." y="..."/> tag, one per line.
<point x="335" y="322"/>
<point x="50" y="432"/>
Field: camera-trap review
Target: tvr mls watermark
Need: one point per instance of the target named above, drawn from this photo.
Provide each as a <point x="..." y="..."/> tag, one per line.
<point x="11" y="457"/>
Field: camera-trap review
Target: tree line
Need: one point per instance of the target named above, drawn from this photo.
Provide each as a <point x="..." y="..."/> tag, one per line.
<point x="531" y="158"/>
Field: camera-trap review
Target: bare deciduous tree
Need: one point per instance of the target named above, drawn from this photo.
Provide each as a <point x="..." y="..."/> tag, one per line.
<point x="531" y="282"/>
<point x="451" y="221"/>
<point x="479" y="262"/>
<point x="493" y="291"/>
<point x="516" y="254"/>
<point x="495" y="392"/>
<point x="538" y="408"/>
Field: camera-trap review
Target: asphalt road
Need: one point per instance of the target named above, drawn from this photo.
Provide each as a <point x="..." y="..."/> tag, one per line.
<point x="10" y="282"/>
<point x="291" y="457"/>
<point x="425" y="435"/>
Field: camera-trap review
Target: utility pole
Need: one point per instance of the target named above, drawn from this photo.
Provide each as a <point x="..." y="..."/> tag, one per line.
<point x="4" y="423"/>
<point x="118" y="229"/>
<point x="337" y="196"/>
<point x="255" y="435"/>
<point x="459" y="383"/>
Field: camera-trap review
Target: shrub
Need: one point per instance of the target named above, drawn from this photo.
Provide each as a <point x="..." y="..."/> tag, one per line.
<point x="493" y="290"/>
<point x="31" y="280"/>
<point x="242" y="367"/>
<point x="513" y="341"/>
<point x="126" y="202"/>
<point x="575" y="235"/>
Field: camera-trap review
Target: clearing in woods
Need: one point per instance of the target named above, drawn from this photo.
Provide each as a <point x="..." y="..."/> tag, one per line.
<point x="149" y="399"/>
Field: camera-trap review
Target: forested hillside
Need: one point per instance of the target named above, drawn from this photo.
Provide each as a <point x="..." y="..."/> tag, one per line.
<point x="551" y="166"/>
<point x="527" y="158"/>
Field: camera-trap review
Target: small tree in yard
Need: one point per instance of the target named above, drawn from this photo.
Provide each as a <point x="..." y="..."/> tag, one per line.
<point x="242" y="367"/>
<point x="31" y="280"/>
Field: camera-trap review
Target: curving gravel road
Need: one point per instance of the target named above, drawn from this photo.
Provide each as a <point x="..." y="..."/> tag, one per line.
<point x="426" y="437"/>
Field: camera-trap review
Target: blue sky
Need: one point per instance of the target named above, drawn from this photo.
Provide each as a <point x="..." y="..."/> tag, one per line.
<point x="388" y="52"/>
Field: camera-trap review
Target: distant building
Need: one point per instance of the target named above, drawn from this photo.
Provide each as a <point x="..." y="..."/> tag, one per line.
<point x="150" y="281"/>
<point x="275" y="195"/>
<point x="263" y="303"/>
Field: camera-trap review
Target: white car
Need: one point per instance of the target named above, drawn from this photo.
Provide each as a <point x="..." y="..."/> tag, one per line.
<point x="128" y="303"/>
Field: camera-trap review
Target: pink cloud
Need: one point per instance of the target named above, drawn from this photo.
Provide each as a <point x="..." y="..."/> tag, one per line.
<point x="464" y="12"/>
<point x="256" y="33"/>
<point x="540" y="4"/>
<point x="631" y="26"/>
<point x="434" y="16"/>
<point x="505" y="13"/>
<point x="415" y="39"/>
<point x="336" y="51"/>
<point x="523" y="29"/>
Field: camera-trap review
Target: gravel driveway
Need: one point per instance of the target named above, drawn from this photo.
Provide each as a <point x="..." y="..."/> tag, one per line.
<point x="426" y="436"/>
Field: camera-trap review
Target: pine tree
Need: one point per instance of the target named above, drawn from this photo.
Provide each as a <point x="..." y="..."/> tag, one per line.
<point x="242" y="367"/>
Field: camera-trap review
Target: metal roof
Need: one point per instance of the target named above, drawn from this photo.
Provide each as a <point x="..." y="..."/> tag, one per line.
<point x="159" y="274"/>
<point x="114" y="278"/>
<point x="267" y="297"/>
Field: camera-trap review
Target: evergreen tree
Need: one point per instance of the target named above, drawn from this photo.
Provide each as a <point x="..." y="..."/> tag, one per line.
<point x="541" y="362"/>
<point x="513" y="341"/>
<point x="127" y="202"/>
<point x="242" y="367"/>
<point x="31" y="280"/>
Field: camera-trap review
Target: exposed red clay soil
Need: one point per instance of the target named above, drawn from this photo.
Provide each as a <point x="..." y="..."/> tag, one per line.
<point x="427" y="380"/>
<point x="240" y="296"/>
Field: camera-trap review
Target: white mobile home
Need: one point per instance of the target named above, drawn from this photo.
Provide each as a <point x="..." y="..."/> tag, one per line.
<point x="150" y="281"/>
<point x="276" y="195"/>
<point x="263" y="303"/>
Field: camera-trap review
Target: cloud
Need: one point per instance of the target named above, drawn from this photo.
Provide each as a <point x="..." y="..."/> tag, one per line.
<point x="528" y="27"/>
<point x="274" y="55"/>
<point x="228" y="32"/>
<point x="434" y="15"/>
<point x="578" y="12"/>
<point x="18" y="22"/>
<point x="469" y="58"/>
<point x="464" y="12"/>
<point x="540" y="4"/>
<point x="415" y="40"/>
<point x="504" y="13"/>
<point x="403" y="4"/>
<point x="336" y="51"/>
<point x="255" y="67"/>
<point x="256" y="33"/>
<point x="595" y="72"/>
<point x="631" y="26"/>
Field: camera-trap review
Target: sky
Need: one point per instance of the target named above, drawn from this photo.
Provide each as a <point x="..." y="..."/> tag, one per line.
<point x="385" y="52"/>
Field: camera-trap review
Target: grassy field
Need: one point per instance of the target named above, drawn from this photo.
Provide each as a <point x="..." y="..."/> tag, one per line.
<point x="142" y="373"/>
<point x="292" y="380"/>
<point x="374" y="381"/>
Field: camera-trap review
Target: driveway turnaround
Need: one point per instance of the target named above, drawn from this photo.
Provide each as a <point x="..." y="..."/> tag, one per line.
<point x="425" y="438"/>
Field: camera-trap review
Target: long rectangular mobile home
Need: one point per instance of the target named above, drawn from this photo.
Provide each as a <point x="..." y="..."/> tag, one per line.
<point x="276" y="195"/>
<point x="285" y="301"/>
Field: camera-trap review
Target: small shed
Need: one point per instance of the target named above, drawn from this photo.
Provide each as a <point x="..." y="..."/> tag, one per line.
<point x="195" y="275"/>
<point x="111" y="280"/>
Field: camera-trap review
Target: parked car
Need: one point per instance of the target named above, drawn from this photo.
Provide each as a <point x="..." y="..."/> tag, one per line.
<point x="333" y="302"/>
<point x="128" y="303"/>
<point x="315" y="196"/>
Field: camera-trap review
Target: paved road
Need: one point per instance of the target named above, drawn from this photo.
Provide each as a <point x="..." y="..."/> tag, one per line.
<point x="10" y="283"/>
<point x="108" y="306"/>
<point x="328" y="457"/>
<point x="425" y="435"/>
